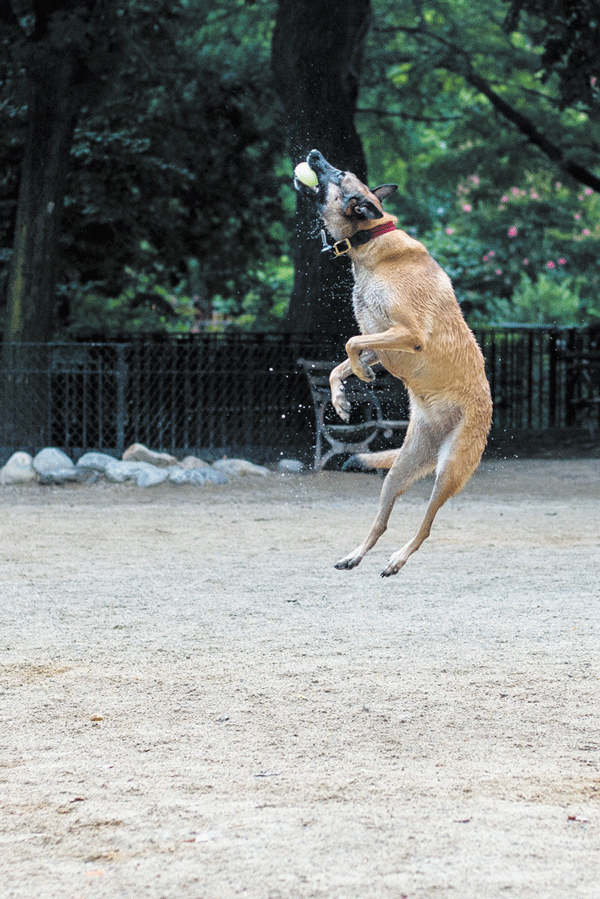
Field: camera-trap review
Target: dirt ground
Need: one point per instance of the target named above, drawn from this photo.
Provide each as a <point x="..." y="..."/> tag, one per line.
<point x="194" y="704"/>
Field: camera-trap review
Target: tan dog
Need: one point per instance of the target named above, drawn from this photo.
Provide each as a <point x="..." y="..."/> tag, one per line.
<point x="411" y="323"/>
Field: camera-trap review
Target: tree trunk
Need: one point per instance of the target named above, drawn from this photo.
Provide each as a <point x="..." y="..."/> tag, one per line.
<point x="316" y="58"/>
<point x="54" y="102"/>
<point x="55" y="99"/>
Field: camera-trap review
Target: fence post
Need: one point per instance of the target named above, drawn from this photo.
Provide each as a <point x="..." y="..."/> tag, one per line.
<point x="121" y="374"/>
<point x="552" y="377"/>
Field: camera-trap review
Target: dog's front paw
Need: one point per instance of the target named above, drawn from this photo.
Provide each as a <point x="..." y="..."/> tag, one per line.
<point x="362" y="371"/>
<point x="341" y="404"/>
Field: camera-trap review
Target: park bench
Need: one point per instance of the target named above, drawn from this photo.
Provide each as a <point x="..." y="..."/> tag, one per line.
<point x="368" y="421"/>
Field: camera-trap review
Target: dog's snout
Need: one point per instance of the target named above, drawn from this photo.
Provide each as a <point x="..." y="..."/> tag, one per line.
<point x="315" y="158"/>
<point x="325" y="171"/>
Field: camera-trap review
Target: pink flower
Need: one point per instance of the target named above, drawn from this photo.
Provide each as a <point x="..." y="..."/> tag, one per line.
<point x="491" y="253"/>
<point x="498" y="271"/>
<point x="534" y="195"/>
<point x="588" y="191"/>
<point x="578" y="216"/>
<point x="562" y="261"/>
<point x="526" y="262"/>
<point x="550" y="264"/>
<point x="450" y="230"/>
<point x="586" y="232"/>
<point x="504" y="199"/>
<point x="467" y="207"/>
<point x="512" y="232"/>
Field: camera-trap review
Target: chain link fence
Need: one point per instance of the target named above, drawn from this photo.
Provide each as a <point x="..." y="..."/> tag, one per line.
<point x="244" y="394"/>
<point x="210" y="395"/>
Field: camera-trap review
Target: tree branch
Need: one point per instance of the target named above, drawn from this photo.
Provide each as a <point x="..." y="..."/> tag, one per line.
<point x="407" y="116"/>
<point x="9" y="18"/>
<point x="525" y="125"/>
<point x="458" y="61"/>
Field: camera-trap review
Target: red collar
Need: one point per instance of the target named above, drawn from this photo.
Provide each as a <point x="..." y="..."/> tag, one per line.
<point x="361" y="237"/>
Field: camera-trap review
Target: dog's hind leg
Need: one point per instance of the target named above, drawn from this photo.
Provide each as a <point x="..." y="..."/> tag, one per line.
<point x="457" y="460"/>
<point x="416" y="458"/>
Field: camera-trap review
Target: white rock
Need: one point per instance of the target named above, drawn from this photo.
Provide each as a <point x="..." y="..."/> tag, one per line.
<point x="193" y="462"/>
<point x="95" y="461"/>
<point x="51" y="460"/>
<point x="63" y="475"/>
<point x="290" y="466"/>
<point x="152" y="476"/>
<point x="240" y="467"/>
<point x="137" y="452"/>
<point x="143" y="473"/>
<point x="196" y="476"/>
<point x="18" y="470"/>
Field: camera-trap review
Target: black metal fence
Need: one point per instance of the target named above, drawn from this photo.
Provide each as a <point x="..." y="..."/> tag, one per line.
<point x="543" y="378"/>
<point x="236" y="393"/>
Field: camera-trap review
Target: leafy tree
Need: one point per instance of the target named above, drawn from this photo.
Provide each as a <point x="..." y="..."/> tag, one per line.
<point x="160" y="137"/>
<point x="49" y="41"/>
<point x="570" y="36"/>
<point x="457" y="103"/>
<point x="184" y="187"/>
<point x="158" y="124"/>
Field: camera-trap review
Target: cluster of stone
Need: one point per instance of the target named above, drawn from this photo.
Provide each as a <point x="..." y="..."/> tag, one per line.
<point x="144" y="467"/>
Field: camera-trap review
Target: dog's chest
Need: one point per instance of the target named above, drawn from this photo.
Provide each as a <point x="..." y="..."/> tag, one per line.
<point x="371" y="303"/>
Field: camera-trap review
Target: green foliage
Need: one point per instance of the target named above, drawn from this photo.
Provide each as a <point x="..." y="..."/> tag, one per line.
<point x="570" y="35"/>
<point x="494" y="242"/>
<point x="170" y="163"/>
<point x="265" y="306"/>
<point x="145" y="305"/>
<point x="544" y="301"/>
<point x="490" y="207"/>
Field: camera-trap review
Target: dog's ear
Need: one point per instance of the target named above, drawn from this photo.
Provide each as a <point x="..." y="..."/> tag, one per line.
<point x="384" y="191"/>
<point x="362" y="208"/>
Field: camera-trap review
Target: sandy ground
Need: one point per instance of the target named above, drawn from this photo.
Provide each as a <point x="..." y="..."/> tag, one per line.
<point x="195" y="704"/>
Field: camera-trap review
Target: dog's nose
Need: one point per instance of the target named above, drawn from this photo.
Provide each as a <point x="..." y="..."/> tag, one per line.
<point x="324" y="169"/>
<point x="315" y="158"/>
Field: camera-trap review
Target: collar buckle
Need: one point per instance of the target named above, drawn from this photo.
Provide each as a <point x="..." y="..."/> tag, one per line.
<point x="342" y="247"/>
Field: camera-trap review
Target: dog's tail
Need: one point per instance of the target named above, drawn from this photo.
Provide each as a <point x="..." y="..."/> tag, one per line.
<point x="369" y="461"/>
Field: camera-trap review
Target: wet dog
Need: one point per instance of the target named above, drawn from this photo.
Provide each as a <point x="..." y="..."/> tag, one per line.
<point x="410" y="323"/>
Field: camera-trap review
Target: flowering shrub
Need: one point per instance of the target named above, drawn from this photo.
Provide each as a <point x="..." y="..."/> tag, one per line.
<point x="529" y="253"/>
<point x="543" y="301"/>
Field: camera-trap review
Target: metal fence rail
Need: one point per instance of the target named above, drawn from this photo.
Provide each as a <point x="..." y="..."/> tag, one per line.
<point x="215" y="394"/>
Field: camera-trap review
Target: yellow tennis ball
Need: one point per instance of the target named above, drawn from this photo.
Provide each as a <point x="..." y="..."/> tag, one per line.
<point x="305" y="174"/>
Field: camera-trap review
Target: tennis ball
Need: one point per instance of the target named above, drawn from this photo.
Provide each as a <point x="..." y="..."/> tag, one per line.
<point x="305" y="174"/>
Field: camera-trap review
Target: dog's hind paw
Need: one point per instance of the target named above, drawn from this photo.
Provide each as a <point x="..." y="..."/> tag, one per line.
<point x="354" y="463"/>
<point x="393" y="566"/>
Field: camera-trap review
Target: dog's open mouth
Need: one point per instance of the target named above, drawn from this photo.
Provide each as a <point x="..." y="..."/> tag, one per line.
<point x="305" y="178"/>
<point x="313" y="174"/>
